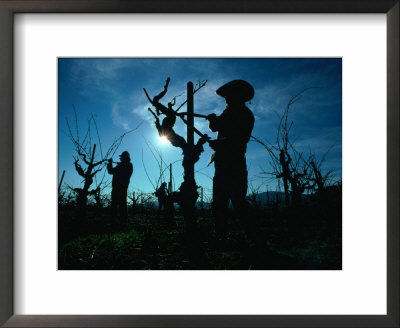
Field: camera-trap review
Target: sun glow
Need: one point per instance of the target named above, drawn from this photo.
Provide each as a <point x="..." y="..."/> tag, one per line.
<point x="163" y="140"/>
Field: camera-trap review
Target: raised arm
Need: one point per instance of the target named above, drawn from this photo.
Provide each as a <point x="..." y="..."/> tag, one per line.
<point x="110" y="168"/>
<point x="213" y="122"/>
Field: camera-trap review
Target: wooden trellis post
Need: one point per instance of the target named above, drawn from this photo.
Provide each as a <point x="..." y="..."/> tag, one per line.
<point x="187" y="195"/>
<point x="61" y="181"/>
<point x="202" y="200"/>
<point x="190" y="183"/>
<point x="170" y="180"/>
<point x="190" y="127"/>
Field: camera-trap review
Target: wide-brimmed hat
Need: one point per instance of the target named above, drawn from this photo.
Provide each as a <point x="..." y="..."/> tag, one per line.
<point x="125" y="155"/>
<point x="239" y="89"/>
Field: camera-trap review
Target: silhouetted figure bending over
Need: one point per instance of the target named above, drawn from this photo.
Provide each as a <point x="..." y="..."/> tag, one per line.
<point x="161" y="194"/>
<point x="234" y="128"/>
<point x="121" y="175"/>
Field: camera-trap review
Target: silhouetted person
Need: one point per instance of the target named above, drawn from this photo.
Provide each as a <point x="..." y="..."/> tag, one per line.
<point x="234" y="128"/>
<point x="161" y="194"/>
<point x="121" y="175"/>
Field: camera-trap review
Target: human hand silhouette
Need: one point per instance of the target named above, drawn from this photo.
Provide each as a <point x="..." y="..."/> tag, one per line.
<point x="204" y="139"/>
<point x="211" y="116"/>
<point x="213" y="144"/>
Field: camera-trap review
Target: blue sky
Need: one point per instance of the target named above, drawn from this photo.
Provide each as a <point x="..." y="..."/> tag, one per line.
<point x="112" y="91"/>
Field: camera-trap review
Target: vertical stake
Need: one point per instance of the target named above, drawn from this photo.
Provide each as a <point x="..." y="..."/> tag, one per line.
<point x="190" y="126"/>
<point x="61" y="181"/>
<point x="190" y="192"/>
<point x="170" y="180"/>
<point x="202" y="201"/>
<point x="94" y="150"/>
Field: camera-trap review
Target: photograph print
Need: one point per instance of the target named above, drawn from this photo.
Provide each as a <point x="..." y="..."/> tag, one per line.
<point x="199" y="163"/>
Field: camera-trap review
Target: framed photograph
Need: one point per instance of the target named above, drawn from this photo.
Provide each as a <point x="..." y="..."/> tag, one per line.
<point x="213" y="164"/>
<point x="172" y="230"/>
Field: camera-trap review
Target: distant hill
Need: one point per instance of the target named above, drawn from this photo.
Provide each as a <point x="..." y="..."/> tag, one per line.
<point x="270" y="196"/>
<point x="332" y="192"/>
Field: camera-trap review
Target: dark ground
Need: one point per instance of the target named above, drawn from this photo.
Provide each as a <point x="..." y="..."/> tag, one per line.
<point x="305" y="238"/>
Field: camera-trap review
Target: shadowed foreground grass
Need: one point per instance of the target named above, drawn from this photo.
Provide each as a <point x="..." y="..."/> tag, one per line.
<point x="308" y="238"/>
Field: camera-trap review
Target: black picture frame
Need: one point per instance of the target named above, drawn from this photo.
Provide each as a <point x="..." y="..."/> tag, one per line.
<point x="7" y="10"/>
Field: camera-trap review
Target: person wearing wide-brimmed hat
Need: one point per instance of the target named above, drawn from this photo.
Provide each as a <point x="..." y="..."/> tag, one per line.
<point x="234" y="128"/>
<point x="121" y="176"/>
